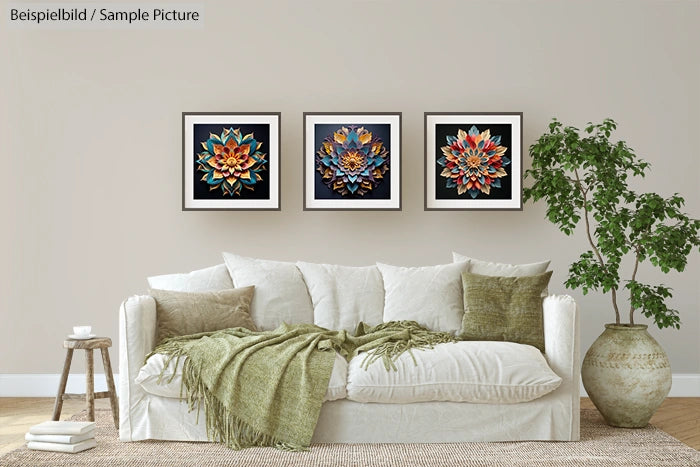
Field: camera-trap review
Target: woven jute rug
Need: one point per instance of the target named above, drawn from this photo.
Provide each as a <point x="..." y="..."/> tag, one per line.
<point x="600" y="445"/>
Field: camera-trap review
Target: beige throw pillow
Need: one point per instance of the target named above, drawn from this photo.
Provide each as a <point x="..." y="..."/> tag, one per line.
<point x="504" y="308"/>
<point x="183" y="313"/>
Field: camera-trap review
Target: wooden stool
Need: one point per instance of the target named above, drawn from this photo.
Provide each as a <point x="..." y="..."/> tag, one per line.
<point x="102" y="343"/>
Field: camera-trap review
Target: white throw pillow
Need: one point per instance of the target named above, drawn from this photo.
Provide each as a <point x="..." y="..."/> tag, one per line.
<point x="280" y="292"/>
<point x="343" y="296"/>
<point x="487" y="268"/>
<point x="210" y="279"/>
<point x="171" y="380"/>
<point x="470" y="371"/>
<point x="430" y="295"/>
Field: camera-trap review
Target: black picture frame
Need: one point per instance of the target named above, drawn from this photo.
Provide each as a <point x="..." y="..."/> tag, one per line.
<point x="459" y="174"/>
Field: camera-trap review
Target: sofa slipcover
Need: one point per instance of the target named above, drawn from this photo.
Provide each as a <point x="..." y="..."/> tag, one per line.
<point x="554" y="416"/>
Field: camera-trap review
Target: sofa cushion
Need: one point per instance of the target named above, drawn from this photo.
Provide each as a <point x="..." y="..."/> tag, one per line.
<point x="480" y="372"/>
<point x="280" y="291"/>
<point x="183" y="313"/>
<point x="201" y="280"/>
<point x="171" y="380"/>
<point x="488" y="268"/>
<point x="343" y="296"/>
<point x="430" y="295"/>
<point x="504" y="308"/>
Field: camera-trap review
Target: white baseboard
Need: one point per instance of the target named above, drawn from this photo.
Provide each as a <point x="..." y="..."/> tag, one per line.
<point x="46" y="385"/>
<point x="682" y="385"/>
<point x="31" y="385"/>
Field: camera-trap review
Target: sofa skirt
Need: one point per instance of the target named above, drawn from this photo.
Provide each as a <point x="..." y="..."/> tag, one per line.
<point x="344" y="421"/>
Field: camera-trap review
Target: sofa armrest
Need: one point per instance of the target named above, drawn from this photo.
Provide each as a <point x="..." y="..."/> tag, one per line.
<point x="561" y="336"/>
<point x="562" y="348"/>
<point x="137" y="334"/>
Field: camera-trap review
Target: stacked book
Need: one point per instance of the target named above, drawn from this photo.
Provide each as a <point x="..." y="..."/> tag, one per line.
<point x="63" y="436"/>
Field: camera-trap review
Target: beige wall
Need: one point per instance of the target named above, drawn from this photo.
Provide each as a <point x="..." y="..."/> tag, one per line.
<point x="91" y="142"/>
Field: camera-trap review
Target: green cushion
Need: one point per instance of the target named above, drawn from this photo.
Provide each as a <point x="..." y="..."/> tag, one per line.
<point x="504" y="308"/>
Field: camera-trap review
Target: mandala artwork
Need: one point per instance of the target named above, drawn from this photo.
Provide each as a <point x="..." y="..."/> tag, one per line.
<point x="352" y="161"/>
<point x="231" y="162"/>
<point x="473" y="162"/>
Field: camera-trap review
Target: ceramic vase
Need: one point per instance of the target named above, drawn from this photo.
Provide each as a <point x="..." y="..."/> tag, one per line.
<point x="627" y="375"/>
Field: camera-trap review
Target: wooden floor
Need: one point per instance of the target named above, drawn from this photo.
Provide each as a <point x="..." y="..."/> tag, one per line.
<point x="678" y="416"/>
<point x="17" y="414"/>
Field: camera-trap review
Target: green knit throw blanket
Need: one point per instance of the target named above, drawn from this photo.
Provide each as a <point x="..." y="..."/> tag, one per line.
<point x="266" y="388"/>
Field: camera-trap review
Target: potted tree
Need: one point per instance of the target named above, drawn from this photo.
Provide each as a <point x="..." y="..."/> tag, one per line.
<point x="583" y="175"/>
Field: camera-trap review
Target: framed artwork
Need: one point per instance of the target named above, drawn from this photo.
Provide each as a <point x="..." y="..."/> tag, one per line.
<point x="473" y="161"/>
<point x="352" y="161"/>
<point x="230" y="161"/>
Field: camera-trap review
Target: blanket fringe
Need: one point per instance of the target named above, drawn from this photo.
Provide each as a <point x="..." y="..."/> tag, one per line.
<point x="222" y="425"/>
<point x="418" y="338"/>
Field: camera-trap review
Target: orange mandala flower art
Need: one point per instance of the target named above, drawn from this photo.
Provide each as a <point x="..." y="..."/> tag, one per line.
<point x="231" y="161"/>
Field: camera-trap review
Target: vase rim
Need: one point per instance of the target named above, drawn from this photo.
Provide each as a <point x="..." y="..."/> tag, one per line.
<point x="626" y="327"/>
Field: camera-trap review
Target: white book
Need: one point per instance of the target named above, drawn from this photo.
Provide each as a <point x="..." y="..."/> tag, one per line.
<point x="63" y="439"/>
<point x="72" y="448"/>
<point x="63" y="427"/>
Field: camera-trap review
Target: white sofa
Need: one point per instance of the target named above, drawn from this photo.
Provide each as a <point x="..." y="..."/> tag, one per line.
<point x="554" y="416"/>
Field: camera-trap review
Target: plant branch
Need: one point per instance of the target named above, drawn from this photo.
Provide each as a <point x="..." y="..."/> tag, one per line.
<point x="634" y="276"/>
<point x="584" y="193"/>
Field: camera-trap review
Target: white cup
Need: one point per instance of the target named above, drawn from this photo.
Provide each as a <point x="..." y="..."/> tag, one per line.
<point x="82" y="331"/>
